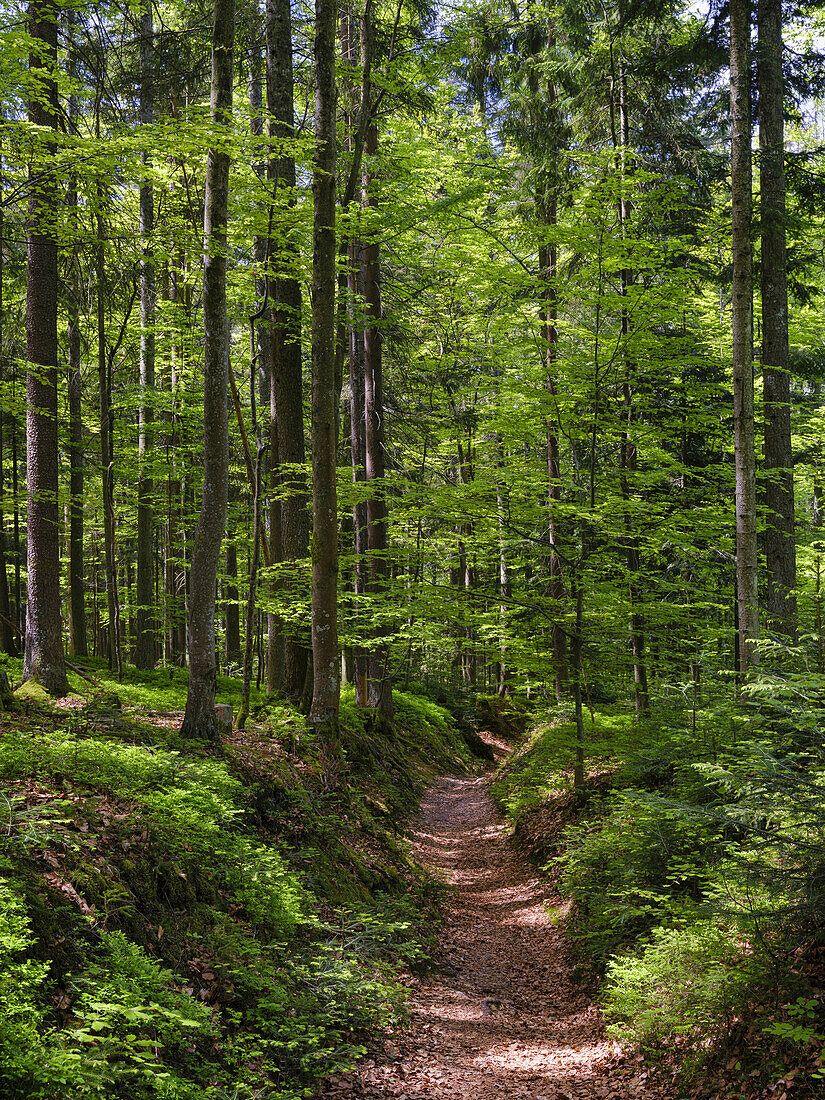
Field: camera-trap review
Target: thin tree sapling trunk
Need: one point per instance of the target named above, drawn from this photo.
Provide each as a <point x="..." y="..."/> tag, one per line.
<point x="379" y="681"/>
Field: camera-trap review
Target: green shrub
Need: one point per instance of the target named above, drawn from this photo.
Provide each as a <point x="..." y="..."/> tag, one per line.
<point x="685" y="985"/>
<point x="131" y="1022"/>
<point x="642" y="860"/>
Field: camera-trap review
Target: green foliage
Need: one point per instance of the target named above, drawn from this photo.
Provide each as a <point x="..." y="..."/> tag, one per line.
<point x="186" y="890"/>
<point x="685" y="984"/>
<point x="128" y="1018"/>
<point x="637" y="865"/>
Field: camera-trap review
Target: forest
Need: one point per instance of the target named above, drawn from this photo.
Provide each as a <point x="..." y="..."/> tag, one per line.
<point x="412" y="533"/>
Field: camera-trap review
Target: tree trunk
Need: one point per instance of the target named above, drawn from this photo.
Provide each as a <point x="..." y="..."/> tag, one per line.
<point x="358" y="457"/>
<point x="199" y="719"/>
<point x="548" y="263"/>
<point x="287" y="395"/>
<point x="6" y="623"/>
<point x="77" y="583"/>
<point x="379" y="680"/>
<point x="106" y="474"/>
<point x="742" y="318"/>
<point x="246" y="686"/>
<point x="323" y="712"/>
<point x="232" y="611"/>
<point x="144" y="653"/>
<point x="780" y="544"/>
<point x="628" y="457"/>
<point x="44" y="660"/>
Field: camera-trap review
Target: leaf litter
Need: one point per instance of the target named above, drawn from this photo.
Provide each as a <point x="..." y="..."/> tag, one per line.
<point x="502" y="1014"/>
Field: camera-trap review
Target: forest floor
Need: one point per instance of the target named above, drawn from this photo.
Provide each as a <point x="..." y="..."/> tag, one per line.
<point x="501" y="1014"/>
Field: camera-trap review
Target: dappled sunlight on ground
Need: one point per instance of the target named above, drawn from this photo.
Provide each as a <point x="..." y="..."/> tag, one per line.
<point x="504" y="1016"/>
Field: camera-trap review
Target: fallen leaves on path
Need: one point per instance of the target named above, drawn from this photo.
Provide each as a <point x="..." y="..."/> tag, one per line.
<point x="504" y="1016"/>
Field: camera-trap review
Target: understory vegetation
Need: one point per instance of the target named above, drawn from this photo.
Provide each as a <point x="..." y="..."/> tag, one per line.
<point x="691" y="869"/>
<point x="175" y="924"/>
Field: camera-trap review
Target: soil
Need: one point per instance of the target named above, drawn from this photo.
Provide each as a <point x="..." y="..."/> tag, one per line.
<point x="502" y="1015"/>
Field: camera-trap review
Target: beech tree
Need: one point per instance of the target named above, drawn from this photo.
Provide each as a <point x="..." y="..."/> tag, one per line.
<point x="780" y="542"/>
<point x="199" y="719"/>
<point x="326" y="680"/>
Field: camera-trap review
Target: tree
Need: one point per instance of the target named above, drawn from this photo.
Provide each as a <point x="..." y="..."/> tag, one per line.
<point x="742" y="319"/>
<point x="199" y="719"/>
<point x="780" y="544"/>
<point x="326" y="683"/>
<point x="44" y="661"/>
<point x="287" y="452"/>
<point x="145" y="593"/>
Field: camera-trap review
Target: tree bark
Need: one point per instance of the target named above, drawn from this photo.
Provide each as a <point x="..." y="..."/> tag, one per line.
<point x="145" y="642"/>
<point x="358" y="457"/>
<point x="548" y="263"/>
<point x="323" y="712"/>
<point x="780" y="544"/>
<point x="7" y="633"/>
<point x="44" y="660"/>
<point x="286" y="395"/>
<point x="199" y="719"/>
<point x="232" y="607"/>
<point x="742" y="323"/>
<point x="379" y="680"/>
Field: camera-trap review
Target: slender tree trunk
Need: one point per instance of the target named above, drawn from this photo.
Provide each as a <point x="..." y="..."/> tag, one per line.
<point x="44" y="660"/>
<point x="77" y="588"/>
<point x="262" y="373"/>
<point x="77" y="582"/>
<point x="106" y="473"/>
<point x="199" y="719"/>
<point x="6" y="624"/>
<point x="628" y="459"/>
<point x="780" y="543"/>
<point x="503" y="571"/>
<point x="357" y="453"/>
<point x="246" y="687"/>
<point x="548" y="262"/>
<point x="233" y="616"/>
<point x="286" y="396"/>
<point x="323" y="712"/>
<point x="379" y="680"/>
<point x="19" y="607"/>
<point x="742" y="316"/>
<point x="144" y="653"/>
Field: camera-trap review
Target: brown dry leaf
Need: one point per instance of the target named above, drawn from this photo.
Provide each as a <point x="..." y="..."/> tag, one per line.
<point x="506" y="1020"/>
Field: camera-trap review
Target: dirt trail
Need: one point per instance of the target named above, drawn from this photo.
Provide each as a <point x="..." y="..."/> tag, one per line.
<point x="502" y="1017"/>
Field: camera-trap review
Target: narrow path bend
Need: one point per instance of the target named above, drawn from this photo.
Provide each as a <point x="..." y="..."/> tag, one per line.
<point x="502" y="1016"/>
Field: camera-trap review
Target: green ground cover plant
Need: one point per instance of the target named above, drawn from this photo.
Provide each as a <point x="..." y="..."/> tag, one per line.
<point x="691" y="861"/>
<point x="178" y="924"/>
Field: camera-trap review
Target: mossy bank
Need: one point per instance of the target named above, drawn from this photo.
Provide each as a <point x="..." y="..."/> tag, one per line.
<point x="181" y="925"/>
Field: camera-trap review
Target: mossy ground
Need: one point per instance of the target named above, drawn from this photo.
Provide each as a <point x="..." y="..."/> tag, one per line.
<point x="185" y="925"/>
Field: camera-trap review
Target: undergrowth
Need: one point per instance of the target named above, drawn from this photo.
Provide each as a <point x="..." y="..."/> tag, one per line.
<point x="176" y="925"/>
<point x="692" y="860"/>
